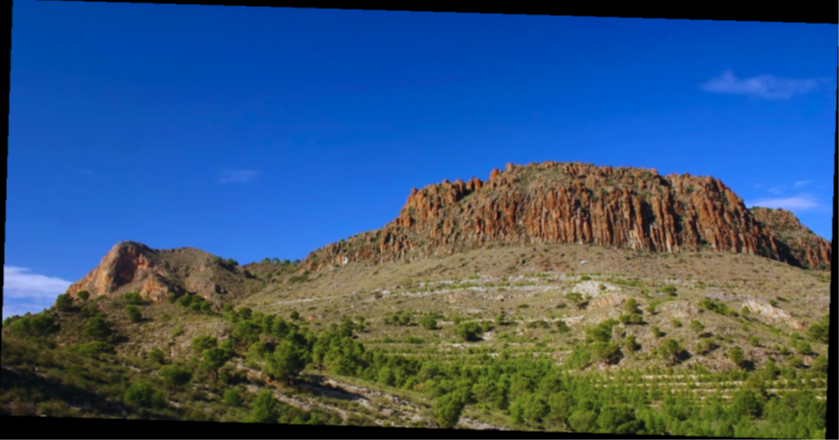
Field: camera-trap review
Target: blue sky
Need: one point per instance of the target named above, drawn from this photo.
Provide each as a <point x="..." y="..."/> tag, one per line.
<point x="259" y="132"/>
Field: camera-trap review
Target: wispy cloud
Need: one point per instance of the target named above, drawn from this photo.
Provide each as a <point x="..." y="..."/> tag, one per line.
<point x="231" y="176"/>
<point x="801" y="202"/>
<point x="762" y="86"/>
<point x="777" y="189"/>
<point x="20" y="282"/>
<point x="24" y="291"/>
<point x="801" y="183"/>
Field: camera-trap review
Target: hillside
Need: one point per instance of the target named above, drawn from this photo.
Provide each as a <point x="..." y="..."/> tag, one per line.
<point x="553" y="297"/>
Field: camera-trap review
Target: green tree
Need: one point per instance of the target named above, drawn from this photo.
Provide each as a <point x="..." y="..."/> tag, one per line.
<point x="468" y="331"/>
<point x="429" y="322"/>
<point x="670" y="350"/>
<point x="820" y="364"/>
<point x="175" y="375"/>
<point x="97" y="328"/>
<point x="64" y="302"/>
<point x="83" y="294"/>
<point x="736" y="356"/>
<point x="652" y="305"/>
<point x="447" y="410"/>
<point x="133" y="313"/>
<point x="803" y="348"/>
<point x="656" y="331"/>
<point x="294" y="315"/>
<point x="157" y="355"/>
<point x="576" y="298"/>
<point x="132" y="298"/>
<point x="669" y="290"/>
<point x="203" y="342"/>
<point x="696" y="326"/>
<point x="583" y="420"/>
<point x="212" y="360"/>
<point x="287" y="361"/>
<point x="630" y="343"/>
<point x="232" y="398"/>
<point x="264" y="408"/>
<point x="139" y="394"/>
<point x="631" y="306"/>
<point x="676" y="323"/>
<point x="562" y="326"/>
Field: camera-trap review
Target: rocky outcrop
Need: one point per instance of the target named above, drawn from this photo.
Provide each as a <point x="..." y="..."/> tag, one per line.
<point x="571" y="203"/>
<point x="134" y="267"/>
<point x="801" y="243"/>
<point x="128" y="266"/>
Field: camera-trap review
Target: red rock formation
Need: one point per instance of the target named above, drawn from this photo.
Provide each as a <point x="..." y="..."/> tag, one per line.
<point x="126" y="264"/>
<point x="134" y="267"/>
<point x="801" y="243"/>
<point x="570" y="203"/>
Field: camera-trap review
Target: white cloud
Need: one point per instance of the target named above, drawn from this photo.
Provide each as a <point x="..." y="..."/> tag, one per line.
<point x="777" y="189"/>
<point x="762" y="86"/>
<point x="229" y="176"/>
<point x="801" y="202"/>
<point x="24" y="291"/>
<point x="19" y="282"/>
<point x="801" y="183"/>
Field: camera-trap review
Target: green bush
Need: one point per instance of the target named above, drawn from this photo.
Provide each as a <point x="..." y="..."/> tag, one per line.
<point x="83" y="295"/>
<point x="447" y="410"/>
<point x="133" y="298"/>
<point x="133" y="313"/>
<point x="203" y="342"/>
<point x="264" y="408"/>
<point x="94" y="348"/>
<point x="232" y="398"/>
<point x="696" y="326"/>
<point x="652" y="305"/>
<point x="468" y="331"/>
<point x="64" y="302"/>
<point x="157" y="355"/>
<point x="670" y="350"/>
<point x="175" y="375"/>
<point x="96" y="327"/>
<point x="669" y="290"/>
<point x="585" y="278"/>
<point x="562" y="326"/>
<point x="139" y="394"/>
<point x="736" y="356"/>
<point x="656" y="331"/>
<point x="294" y="315"/>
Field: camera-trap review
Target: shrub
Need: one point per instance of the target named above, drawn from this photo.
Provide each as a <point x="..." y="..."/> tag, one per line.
<point x="754" y="341"/>
<point x="803" y="348"/>
<point x="631" y="306"/>
<point x="656" y="331"/>
<point x="64" y="302"/>
<point x="264" y="408"/>
<point x="139" y="394"/>
<point x="652" y="305"/>
<point x="232" y="398"/>
<point x="175" y="375"/>
<point x="524" y="306"/>
<point x="468" y="331"/>
<point x="203" y="342"/>
<point x="676" y="323"/>
<point x="447" y="410"/>
<point x="773" y="303"/>
<point x="669" y="290"/>
<point x="94" y="348"/>
<point x="670" y="350"/>
<point x="736" y="356"/>
<point x="132" y="298"/>
<point x="820" y="364"/>
<point x="562" y="326"/>
<point x="796" y="362"/>
<point x="157" y="355"/>
<point x="96" y="327"/>
<point x="83" y="295"/>
<point x="630" y="343"/>
<point x="133" y="313"/>
<point x="696" y="326"/>
<point x="294" y="315"/>
<point x="585" y="278"/>
<point x="703" y="346"/>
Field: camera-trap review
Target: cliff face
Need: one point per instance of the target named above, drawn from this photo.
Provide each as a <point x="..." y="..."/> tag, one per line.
<point x="804" y="245"/>
<point x="572" y="203"/>
<point x="134" y="267"/>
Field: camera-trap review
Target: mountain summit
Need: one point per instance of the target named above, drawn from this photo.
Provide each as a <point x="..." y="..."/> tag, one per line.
<point x="580" y="204"/>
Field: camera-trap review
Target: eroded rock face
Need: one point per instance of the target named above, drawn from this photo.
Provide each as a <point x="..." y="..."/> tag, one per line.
<point x="127" y="264"/>
<point x="802" y="244"/>
<point x="134" y="267"/>
<point x="573" y="203"/>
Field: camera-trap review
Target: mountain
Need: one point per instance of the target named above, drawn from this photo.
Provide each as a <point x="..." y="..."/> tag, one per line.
<point x="579" y="204"/>
<point x="134" y="267"/>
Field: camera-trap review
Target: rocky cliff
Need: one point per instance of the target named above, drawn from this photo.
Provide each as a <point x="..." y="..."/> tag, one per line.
<point x="575" y="203"/>
<point x="134" y="267"/>
<point x="803" y="244"/>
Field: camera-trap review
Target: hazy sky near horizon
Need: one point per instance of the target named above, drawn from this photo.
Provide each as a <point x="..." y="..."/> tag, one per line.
<point x="270" y="132"/>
